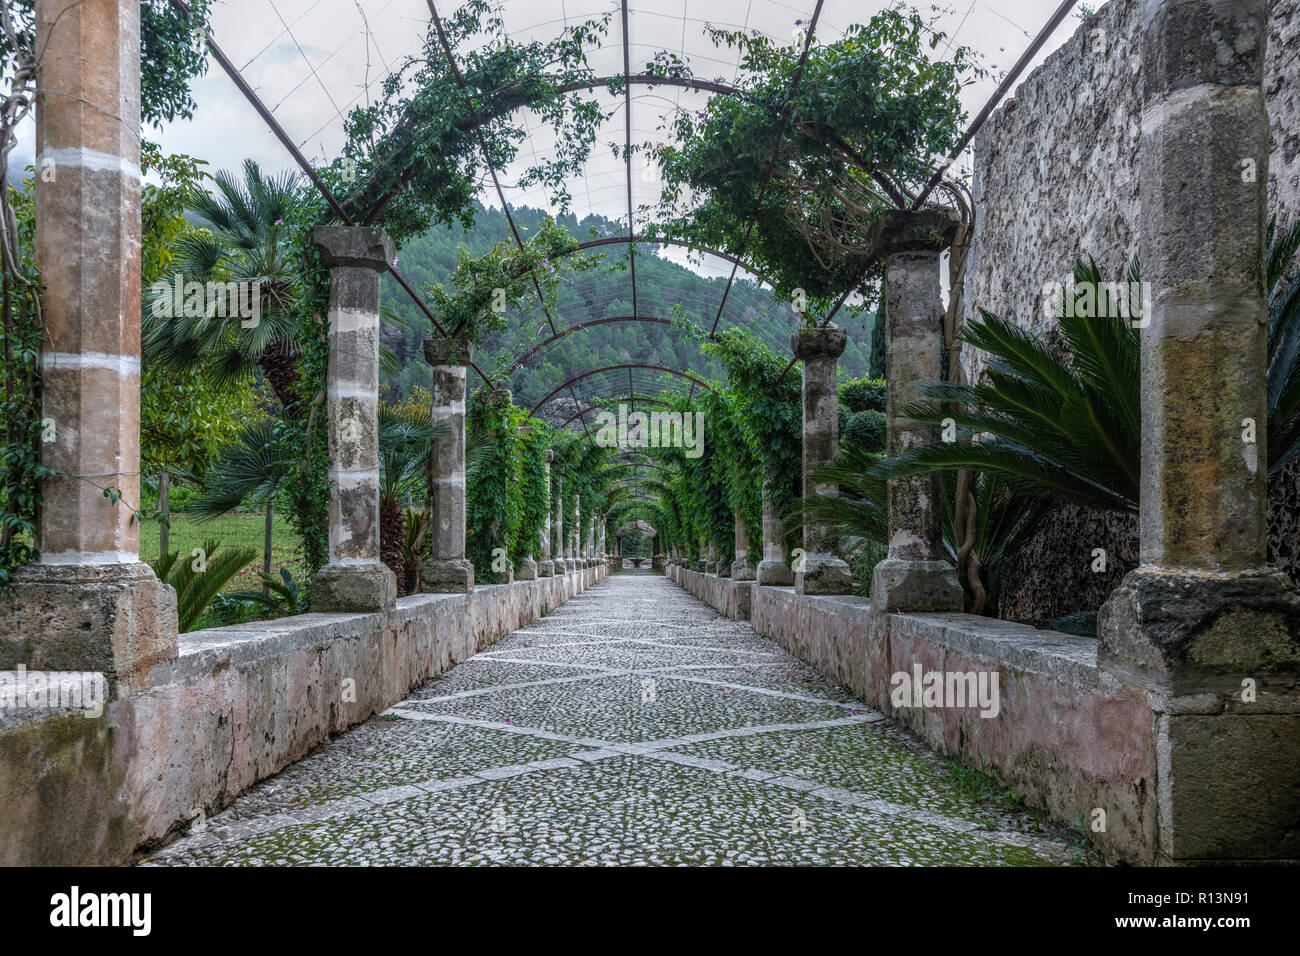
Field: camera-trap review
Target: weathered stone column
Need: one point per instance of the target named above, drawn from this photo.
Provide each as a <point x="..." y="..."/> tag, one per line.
<point x="447" y="568"/>
<point x="821" y="571"/>
<point x="561" y="566"/>
<point x="573" y="553"/>
<point x="600" y="539"/>
<point x="1209" y="631"/>
<point x="721" y="568"/>
<point x="89" y="604"/>
<point x="916" y="574"/>
<point x="741" y="569"/>
<point x="589" y="551"/>
<point x="546" y="567"/>
<point x="774" y="570"/>
<point x="355" y="579"/>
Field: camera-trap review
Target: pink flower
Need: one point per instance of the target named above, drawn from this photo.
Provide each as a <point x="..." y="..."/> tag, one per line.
<point x="394" y="262"/>
<point x="279" y="222"/>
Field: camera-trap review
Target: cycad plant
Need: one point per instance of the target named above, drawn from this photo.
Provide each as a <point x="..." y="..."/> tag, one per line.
<point x="280" y="597"/>
<point x="199" y="577"/>
<point x="1067" y="424"/>
<point x="860" y="512"/>
<point x="1053" y="423"/>
<point x="405" y="440"/>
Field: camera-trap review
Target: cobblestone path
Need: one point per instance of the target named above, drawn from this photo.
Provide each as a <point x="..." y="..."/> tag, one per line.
<point x="632" y="725"/>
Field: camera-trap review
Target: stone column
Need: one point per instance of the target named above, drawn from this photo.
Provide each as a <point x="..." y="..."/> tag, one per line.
<point x="574" y="556"/>
<point x="561" y="566"/>
<point x="589" y="551"/>
<point x="355" y="579"/>
<point x="89" y="604"/>
<point x="600" y="540"/>
<point x="447" y="568"/>
<point x="916" y="574"/>
<point x="741" y="569"/>
<point x="774" y="570"/>
<point x="546" y="568"/>
<point x="721" y="568"/>
<point x="820" y="571"/>
<point x="703" y="563"/>
<point x="1202" y="625"/>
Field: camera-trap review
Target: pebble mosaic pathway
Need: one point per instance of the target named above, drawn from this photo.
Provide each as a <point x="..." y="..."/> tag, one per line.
<point x="633" y="725"/>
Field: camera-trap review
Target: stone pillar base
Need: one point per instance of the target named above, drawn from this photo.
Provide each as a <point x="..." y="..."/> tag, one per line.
<point x="741" y="571"/>
<point x="1183" y="631"/>
<point x="527" y="570"/>
<point x="118" y="619"/>
<point x="824" y="574"/>
<point x="1219" y="657"/>
<point x="774" y="574"/>
<point x="447" y="576"/>
<point x="546" y="569"/>
<point x="722" y="569"/>
<point x="902" y="585"/>
<point x="353" y="588"/>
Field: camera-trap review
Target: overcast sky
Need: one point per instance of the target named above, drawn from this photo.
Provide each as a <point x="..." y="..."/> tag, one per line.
<point x="313" y="60"/>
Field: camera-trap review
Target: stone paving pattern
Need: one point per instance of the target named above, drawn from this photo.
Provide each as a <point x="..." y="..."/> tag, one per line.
<point x="631" y="726"/>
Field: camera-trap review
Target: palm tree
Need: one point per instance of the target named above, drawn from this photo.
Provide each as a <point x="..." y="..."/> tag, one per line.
<point x="244" y="240"/>
<point x="249" y="469"/>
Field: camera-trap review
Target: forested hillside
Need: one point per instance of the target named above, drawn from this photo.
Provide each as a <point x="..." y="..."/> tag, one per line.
<point x="664" y="290"/>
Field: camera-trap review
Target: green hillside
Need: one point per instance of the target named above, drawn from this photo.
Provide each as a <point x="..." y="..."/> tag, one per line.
<point x="664" y="289"/>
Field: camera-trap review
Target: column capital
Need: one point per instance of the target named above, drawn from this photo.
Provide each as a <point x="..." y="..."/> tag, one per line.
<point x="913" y="230"/>
<point x="449" y="351"/>
<point x="550" y="457"/>
<point x="360" y="247"/>
<point x="1189" y="43"/>
<point x="827" y="341"/>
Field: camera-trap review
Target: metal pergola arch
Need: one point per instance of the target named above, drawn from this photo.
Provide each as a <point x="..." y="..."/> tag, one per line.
<point x="627" y="79"/>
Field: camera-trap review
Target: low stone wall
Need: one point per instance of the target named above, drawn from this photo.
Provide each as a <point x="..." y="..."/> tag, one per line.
<point x="724" y="595"/>
<point x="1065" y="738"/>
<point x="237" y="705"/>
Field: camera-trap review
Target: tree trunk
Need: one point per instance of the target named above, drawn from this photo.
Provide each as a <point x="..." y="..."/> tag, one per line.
<point x="266" y="546"/>
<point x="392" y="537"/>
<point x="164" y="511"/>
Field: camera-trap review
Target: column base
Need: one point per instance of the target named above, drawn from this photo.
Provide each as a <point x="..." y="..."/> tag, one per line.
<point x="1182" y="631"/>
<point x="118" y="619"/>
<point x="905" y="585"/>
<point x="774" y="573"/>
<point x="353" y="588"/>
<point x="722" y="569"/>
<point x="824" y="574"/>
<point x="546" y="569"/>
<point x="447" y="576"/>
<point x="741" y="571"/>
<point x="1218" y="655"/>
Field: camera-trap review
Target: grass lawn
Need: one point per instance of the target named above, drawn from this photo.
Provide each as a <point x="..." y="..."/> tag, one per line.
<point x="238" y="529"/>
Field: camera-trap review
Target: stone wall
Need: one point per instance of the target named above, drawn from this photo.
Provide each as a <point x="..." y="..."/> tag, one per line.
<point x="1065" y="738"/>
<point x="1056" y="177"/>
<point x="724" y="595"/>
<point x="239" y="704"/>
<point x="1056" y="167"/>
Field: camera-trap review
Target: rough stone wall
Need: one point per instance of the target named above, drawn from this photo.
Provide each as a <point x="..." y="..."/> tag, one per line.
<point x="1056" y="177"/>
<point x="1056" y="167"/>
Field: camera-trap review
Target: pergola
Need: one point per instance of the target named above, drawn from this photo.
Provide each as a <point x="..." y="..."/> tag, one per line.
<point x="635" y="102"/>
